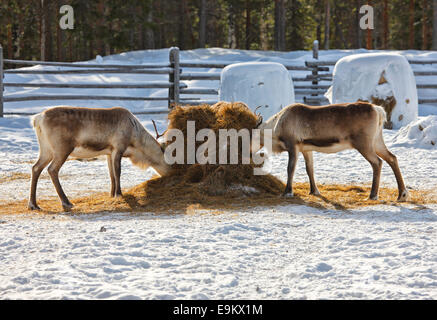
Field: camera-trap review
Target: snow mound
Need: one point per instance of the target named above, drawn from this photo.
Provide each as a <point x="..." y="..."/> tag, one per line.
<point x="382" y="78"/>
<point x="421" y="133"/>
<point x="265" y="84"/>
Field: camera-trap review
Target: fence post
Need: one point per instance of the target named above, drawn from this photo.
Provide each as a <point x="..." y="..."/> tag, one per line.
<point x="315" y="68"/>
<point x="1" y="81"/>
<point x="173" y="92"/>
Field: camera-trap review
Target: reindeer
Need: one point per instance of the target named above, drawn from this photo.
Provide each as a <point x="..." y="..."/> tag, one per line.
<point x="329" y="129"/>
<point x="85" y="133"/>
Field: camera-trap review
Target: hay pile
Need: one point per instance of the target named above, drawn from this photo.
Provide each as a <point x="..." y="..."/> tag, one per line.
<point x="198" y="181"/>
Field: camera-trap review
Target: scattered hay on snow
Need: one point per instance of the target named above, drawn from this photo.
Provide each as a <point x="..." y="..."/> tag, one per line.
<point x="146" y="198"/>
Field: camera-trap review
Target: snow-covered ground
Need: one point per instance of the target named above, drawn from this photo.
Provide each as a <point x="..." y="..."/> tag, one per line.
<point x="291" y="252"/>
<point x="281" y="252"/>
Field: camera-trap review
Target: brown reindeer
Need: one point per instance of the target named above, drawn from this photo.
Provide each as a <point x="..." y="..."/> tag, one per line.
<point x="86" y="133"/>
<point x="329" y="129"/>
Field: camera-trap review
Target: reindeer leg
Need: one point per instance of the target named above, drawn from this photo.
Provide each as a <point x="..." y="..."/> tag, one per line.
<point x="370" y="155"/>
<point x="54" y="167"/>
<point x="44" y="159"/>
<point x="116" y="165"/>
<point x="111" y="175"/>
<point x="309" y="166"/>
<point x="390" y="158"/>
<point x="292" y="159"/>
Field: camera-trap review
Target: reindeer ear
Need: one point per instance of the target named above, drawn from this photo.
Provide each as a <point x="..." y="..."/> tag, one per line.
<point x="163" y="145"/>
<point x="260" y="118"/>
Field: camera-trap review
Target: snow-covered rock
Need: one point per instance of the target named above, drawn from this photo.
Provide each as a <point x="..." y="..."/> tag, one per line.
<point x="265" y="84"/>
<point x="421" y="133"/>
<point x="377" y="77"/>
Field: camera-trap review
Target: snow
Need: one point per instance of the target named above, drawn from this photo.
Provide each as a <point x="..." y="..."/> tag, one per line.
<point x="283" y="252"/>
<point x="421" y="133"/>
<point x="361" y="77"/>
<point x="265" y="84"/>
<point x="290" y="252"/>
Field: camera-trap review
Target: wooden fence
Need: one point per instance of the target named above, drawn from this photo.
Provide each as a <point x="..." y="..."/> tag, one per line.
<point x="171" y="69"/>
<point x="318" y="80"/>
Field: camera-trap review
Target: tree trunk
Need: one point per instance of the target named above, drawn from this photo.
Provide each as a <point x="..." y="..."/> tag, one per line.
<point x="20" y="36"/>
<point x="189" y="24"/>
<point x="133" y="45"/>
<point x="42" y="30"/>
<point x="248" y="25"/>
<point x="434" y="25"/>
<point x="327" y="23"/>
<point x="48" y="32"/>
<point x="279" y="25"/>
<point x="60" y="52"/>
<point x="357" y="25"/>
<point x="411" y="25"/>
<point x="232" y="41"/>
<point x="319" y="21"/>
<point x="100" y="26"/>
<point x="9" y="27"/>
<point x="150" y="37"/>
<point x="369" y="34"/>
<point x="276" y="31"/>
<point x="202" y="24"/>
<point x="70" y="47"/>
<point x="385" y="22"/>
<point x="425" y="25"/>
<point x="263" y="30"/>
<point x="181" y="35"/>
<point x="157" y="19"/>
<point x="282" y="26"/>
<point x="339" y="39"/>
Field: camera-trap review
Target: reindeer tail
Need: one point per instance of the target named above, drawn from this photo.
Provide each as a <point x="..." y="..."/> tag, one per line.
<point x="36" y="120"/>
<point x="382" y="115"/>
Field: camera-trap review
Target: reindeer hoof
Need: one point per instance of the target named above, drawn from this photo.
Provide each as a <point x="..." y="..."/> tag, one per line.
<point x="315" y="193"/>
<point x="67" y="206"/>
<point x="373" y="197"/>
<point x="33" y="206"/>
<point x="288" y="195"/>
<point x="404" y="196"/>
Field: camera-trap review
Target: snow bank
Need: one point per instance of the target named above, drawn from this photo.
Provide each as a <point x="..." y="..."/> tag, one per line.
<point x="266" y="84"/>
<point x="375" y="77"/>
<point x="421" y="133"/>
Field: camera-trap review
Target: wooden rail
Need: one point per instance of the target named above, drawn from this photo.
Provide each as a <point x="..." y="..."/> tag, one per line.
<point x="89" y="71"/>
<point x="150" y="85"/>
<point x="86" y="65"/>
<point x="80" y="97"/>
<point x="1" y="81"/>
